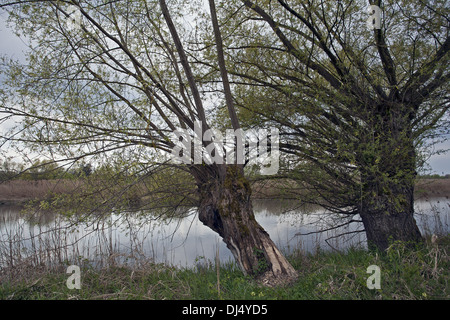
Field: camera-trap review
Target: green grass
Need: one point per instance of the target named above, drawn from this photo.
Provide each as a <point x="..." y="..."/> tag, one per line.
<point x="422" y="273"/>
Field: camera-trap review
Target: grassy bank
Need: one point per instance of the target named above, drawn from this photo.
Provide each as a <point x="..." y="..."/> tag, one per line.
<point x="405" y="274"/>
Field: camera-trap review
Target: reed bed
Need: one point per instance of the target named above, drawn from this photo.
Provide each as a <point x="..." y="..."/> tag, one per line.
<point x="25" y="190"/>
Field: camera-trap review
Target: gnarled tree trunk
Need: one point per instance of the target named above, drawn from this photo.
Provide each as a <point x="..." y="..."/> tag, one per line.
<point x="225" y="207"/>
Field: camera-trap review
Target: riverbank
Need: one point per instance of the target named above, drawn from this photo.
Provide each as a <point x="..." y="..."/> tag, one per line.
<point x="432" y="188"/>
<point x="273" y="189"/>
<point x="406" y="274"/>
<point x="22" y="191"/>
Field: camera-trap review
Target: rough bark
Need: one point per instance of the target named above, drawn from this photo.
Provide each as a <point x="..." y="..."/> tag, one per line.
<point x="225" y="207"/>
<point x="390" y="219"/>
<point x="388" y="178"/>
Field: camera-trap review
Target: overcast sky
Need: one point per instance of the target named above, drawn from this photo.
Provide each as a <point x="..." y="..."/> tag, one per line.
<point x="12" y="46"/>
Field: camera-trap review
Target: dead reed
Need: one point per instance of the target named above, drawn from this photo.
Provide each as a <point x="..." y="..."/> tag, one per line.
<point x="24" y="190"/>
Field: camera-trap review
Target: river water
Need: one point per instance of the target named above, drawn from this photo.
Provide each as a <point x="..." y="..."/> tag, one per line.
<point x="182" y="242"/>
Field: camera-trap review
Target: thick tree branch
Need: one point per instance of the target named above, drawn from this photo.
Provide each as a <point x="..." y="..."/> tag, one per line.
<point x="222" y="67"/>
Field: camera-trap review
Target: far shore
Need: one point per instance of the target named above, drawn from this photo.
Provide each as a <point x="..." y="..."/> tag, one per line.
<point x="17" y="192"/>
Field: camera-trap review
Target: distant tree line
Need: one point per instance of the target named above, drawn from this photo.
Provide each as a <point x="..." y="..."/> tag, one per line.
<point x="434" y="176"/>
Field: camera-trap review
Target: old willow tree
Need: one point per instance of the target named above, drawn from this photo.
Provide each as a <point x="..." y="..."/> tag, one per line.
<point x="355" y="95"/>
<point x="110" y="77"/>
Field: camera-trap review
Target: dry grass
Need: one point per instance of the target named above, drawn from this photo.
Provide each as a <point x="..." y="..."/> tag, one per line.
<point x="433" y="188"/>
<point x="285" y="188"/>
<point x="24" y="190"/>
<point x="272" y="189"/>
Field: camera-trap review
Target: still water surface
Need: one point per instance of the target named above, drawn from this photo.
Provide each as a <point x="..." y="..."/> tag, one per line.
<point x="182" y="242"/>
